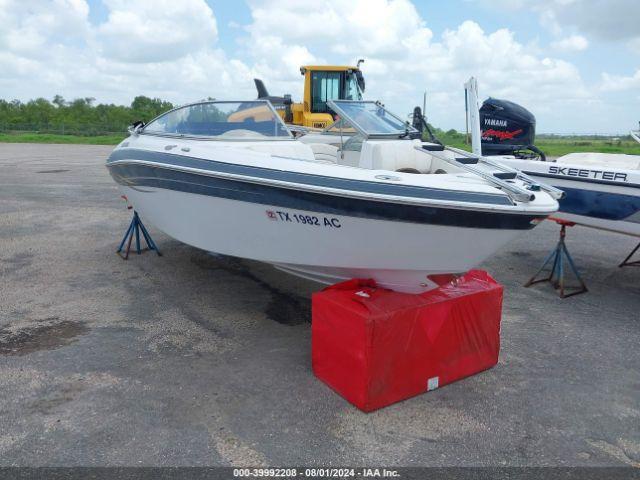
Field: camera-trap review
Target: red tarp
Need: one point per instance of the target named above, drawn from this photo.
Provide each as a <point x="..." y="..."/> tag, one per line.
<point x="375" y="346"/>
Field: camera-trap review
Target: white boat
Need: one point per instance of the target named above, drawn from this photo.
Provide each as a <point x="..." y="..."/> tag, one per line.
<point x="228" y="177"/>
<point x="602" y="189"/>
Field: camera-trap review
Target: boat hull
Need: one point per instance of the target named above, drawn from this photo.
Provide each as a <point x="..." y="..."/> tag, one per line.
<point x="596" y="196"/>
<point x="324" y="247"/>
<point x="611" y="208"/>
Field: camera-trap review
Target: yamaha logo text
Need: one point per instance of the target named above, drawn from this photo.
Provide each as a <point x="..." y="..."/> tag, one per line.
<point x="495" y="122"/>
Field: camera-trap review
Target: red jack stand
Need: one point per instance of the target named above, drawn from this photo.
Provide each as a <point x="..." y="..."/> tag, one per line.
<point x="627" y="263"/>
<point x="556" y="275"/>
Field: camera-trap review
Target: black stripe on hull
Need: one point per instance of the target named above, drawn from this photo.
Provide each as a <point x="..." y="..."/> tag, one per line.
<point x="362" y="186"/>
<point x="141" y="175"/>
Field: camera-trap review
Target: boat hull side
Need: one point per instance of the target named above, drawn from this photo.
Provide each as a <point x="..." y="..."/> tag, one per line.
<point x="329" y="247"/>
<point x="605" y="207"/>
<point x="592" y="202"/>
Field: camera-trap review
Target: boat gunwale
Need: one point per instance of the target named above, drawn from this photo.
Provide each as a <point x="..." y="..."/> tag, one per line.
<point x="510" y="208"/>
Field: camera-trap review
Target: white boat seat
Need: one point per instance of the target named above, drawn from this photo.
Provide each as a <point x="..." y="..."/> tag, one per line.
<point x="323" y="152"/>
<point x="394" y="155"/>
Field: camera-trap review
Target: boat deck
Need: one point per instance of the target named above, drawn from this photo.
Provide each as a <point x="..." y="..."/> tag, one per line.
<point x="193" y="359"/>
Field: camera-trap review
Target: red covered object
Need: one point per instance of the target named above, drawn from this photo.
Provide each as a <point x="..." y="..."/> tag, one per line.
<point x="376" y="347"/>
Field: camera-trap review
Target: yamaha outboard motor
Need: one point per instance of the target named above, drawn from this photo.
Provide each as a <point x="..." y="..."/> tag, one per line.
<point x="508" y="129"/>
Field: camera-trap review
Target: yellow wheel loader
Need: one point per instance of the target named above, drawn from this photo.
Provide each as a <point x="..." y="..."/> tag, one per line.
<point x="321" y="83"/>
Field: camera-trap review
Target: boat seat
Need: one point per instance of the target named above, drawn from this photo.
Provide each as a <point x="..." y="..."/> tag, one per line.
<point x="394" y="155"/>
<point x="323" y="152"/>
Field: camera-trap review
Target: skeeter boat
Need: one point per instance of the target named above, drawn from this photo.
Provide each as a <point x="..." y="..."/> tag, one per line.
<point x="364" y="199"/>
<point x="602" y="189"/>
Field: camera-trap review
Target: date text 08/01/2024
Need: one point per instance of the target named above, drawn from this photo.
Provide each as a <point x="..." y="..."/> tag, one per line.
<point x="304" y="219"/>
<point x="319" y="472"/>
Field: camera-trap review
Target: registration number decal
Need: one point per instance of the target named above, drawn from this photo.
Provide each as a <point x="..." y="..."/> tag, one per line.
<point x="303" y="219"/>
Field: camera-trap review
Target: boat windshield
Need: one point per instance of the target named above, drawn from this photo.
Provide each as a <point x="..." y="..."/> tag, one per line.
<point x="339" y="127"/>
<point x="252" y="120"/>
<point x="371" y="119"/>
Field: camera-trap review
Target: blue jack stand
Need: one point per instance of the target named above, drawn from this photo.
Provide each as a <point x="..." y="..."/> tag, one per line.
<point x="135" y="228"/>
<point x="556" y="276"/>
<point x="627" y="263"/>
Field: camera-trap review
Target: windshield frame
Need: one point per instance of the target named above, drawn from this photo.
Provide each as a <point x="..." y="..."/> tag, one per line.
<point x="340" y="130"/>
<point x="335" y="105"/>
<point x="289" y="135"/>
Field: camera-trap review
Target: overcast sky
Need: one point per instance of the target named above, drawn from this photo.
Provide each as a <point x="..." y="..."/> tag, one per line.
<point x="574" y="63"/>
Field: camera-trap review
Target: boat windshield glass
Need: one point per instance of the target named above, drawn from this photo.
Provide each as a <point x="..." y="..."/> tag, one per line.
<point x="252" y="120"/>
<point x="371" y="118"/>
<point x="339" y="127"/>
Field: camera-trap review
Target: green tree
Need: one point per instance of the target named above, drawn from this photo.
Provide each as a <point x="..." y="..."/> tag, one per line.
<point x="58" y="101"/>
<point x="78" y="116"/>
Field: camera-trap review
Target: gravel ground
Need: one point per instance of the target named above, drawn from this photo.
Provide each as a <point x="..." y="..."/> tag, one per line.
<point x="194" y="359"/>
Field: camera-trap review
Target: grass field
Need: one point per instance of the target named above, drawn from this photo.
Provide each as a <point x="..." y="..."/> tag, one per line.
<point x="552" y="146"/>
<point x="561" y="146"/>
<point x="55" y="138"/>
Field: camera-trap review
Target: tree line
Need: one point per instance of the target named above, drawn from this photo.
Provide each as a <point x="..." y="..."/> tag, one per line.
<point x="78" y="117"/>
<point x="82" y="116"/>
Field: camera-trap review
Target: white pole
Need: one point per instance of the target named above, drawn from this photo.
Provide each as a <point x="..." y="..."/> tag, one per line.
<point x="471" y="87"/>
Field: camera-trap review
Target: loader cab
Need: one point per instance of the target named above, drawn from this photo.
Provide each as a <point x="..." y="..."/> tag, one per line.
<point x="334" y="85"/>
<point x="325" y="83"/>
<point x="322" y="84"/>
